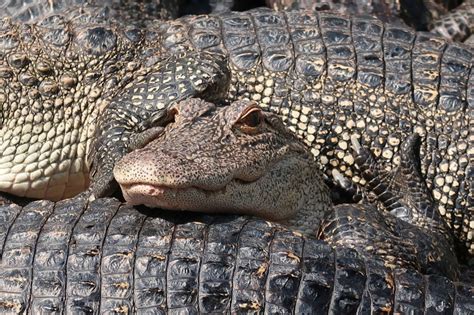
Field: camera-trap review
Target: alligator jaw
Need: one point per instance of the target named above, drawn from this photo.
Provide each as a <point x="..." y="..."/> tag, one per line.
<point x="234" y="197"/>
<point x="166" y="197"/>
<point x="185" y="199"/>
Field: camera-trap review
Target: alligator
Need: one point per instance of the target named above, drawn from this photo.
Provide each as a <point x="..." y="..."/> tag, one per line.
<point x="418" y="14"/>
<point x="450" y="19"/>
<point x="78" y="257"/>
<point x="82" y="256"/>
<point x="129" y="11"/>
<point x="328" y="76"/>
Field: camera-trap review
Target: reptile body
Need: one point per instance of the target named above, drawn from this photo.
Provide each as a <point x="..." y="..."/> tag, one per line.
<point x="328" y="76"/>
<point x="457" y="24"/>
<point x="447" y="17"/>
<point x="127" y="11"/>
<point x="247" y="162"/>
<point x="107" y="256"/>
<point x="451" y="19"/>
<point x="415" y="13"/>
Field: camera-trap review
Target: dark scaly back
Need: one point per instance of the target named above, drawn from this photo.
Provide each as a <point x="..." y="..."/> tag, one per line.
<point x="415" y="13"/>
<point x="457" y="24"/>
<point x="104" y="256"/>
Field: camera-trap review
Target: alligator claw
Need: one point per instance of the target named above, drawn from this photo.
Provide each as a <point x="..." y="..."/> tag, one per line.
<point x="356" y="146"/>
<point x="341" y="179"/>
<point x="401" y="213"/>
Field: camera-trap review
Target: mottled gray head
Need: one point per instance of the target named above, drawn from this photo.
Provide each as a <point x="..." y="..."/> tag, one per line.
<point x="234" y="159"/>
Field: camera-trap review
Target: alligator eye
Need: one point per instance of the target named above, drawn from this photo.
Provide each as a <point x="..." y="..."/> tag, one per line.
<point x="253" y="118"/>
<point x="171" y="115"/>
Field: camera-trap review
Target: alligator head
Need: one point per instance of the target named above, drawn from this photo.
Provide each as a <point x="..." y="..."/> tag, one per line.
<point x="230" y="159"/>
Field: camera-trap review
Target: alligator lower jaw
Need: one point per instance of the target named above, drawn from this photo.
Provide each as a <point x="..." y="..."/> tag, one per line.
<point x="153" y="196"/>
<point x="228" y="200"/>
<point x="170" y="198"/>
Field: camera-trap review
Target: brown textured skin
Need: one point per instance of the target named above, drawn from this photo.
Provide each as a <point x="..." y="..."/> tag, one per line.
<point x="332" y="77"/>
<point x="211" y="160"/>
<point x="415" y="13"/>
<point x="132" y="11"/>
<point x="375" y="258"/>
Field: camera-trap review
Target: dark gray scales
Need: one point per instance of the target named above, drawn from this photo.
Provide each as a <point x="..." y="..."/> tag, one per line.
<point x="107" y="256"/>
<point x="324" y="74"/>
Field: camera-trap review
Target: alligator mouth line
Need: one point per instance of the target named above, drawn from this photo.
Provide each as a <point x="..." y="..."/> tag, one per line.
<point x="192" y="198"/>
<point x="157" y="190"/>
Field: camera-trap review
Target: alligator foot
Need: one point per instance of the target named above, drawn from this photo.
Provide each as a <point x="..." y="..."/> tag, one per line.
<point x="402" y="191"/>
<point x="345" y="190"/>
<point x="384" y="237"/>
<point x="412" y="232"/>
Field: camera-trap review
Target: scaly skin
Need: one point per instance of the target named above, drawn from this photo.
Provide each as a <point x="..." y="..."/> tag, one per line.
<point x="457" y="24"/>
<point x="328" y="76"/>
<point x="106" y="256"/>
<point x="332" y="78"/>
<point x="415" y="13"/>
<point x="131" y="11"/>
<point x="469" y="41"/>
<point x="211" y="160"/>
<point x="52" y="88"/>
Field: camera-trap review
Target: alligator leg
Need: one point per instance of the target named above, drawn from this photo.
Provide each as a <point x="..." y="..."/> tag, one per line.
<point x="457" y="24"/>
<point x="412" y="231"/>
<point x="135" y="117"/>
<point x="403" y="192"/>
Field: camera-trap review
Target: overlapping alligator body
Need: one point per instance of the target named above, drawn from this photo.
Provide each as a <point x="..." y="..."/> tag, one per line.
<point x="330" y="77"/>
<point x="104" y="256"/>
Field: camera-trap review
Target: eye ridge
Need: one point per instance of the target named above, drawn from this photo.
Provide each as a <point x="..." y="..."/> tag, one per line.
<point x="252" y="119"/>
